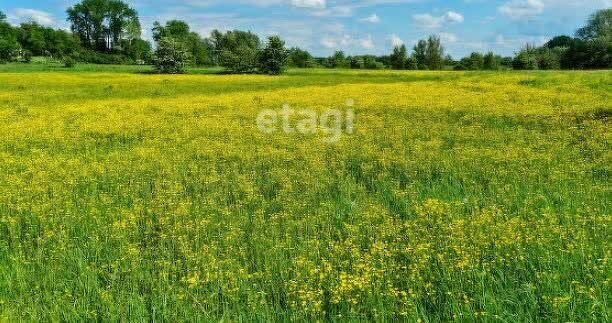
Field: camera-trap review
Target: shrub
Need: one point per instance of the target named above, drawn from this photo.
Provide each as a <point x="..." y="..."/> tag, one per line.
<point x="26" y="56"/>
<point x="93" y="57"/>
<point x="69" y="62"/>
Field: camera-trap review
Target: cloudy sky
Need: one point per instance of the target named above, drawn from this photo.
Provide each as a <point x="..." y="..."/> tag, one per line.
<point x="356" y="26"/>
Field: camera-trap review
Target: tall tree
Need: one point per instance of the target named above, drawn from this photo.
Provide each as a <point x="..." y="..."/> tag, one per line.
<point x="491" y="61"/>
<point x="398" y="57"/>
<point x="178" y="30"/>
<point x="8" y="40"/>
<point x="434" y="53"/>
<point x="420" y="54"/>
<point x="104" y="24"/>
<point x="599" y="26"/>
<point x="171" y="56"/>
<point x="274" y="57"/>
<point x="236" y="50"/>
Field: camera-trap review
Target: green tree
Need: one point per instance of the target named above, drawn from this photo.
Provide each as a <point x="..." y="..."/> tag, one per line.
<point x="411" y="63"/>
<point x="9" y="46"/>
<point x="299" y="58"/>
<point x="273" y="58"/>
<point x="138" y="50"/>
<point x="547" y="59"/>
<point x="599" y="26"/>
<point x="338" y="60"/>
<point x="45" y="41"/>
<point x="420" y="54"/>
<point x="103" y="24"/>
<point x="398" y="57"/>
<point x="2" y="16"/>
<point x="31" y="36"/>
<point x="560" y="41"/>
<point x="434" y="53"/>
<point x="236" y="51"/>
<point x="449" y="62"/>
<point x="171" y="56"/>
<point x="526" y="59"/>
<point x="178" y="30"/>
<point x="491" y="61"/>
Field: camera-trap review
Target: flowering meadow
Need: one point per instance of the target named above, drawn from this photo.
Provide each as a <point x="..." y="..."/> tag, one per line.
<point x="456" y="197"/>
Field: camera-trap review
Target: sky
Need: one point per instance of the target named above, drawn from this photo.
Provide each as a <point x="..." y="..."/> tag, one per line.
<point x="355" y="26"/>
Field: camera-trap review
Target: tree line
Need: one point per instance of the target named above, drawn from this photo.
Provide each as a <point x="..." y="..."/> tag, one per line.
<point x="109" y="32"/>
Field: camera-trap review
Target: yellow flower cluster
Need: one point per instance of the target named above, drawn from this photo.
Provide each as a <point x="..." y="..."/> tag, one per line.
<point x="459" y="196"/>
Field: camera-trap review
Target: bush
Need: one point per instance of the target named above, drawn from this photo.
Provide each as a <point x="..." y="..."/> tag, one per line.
<point x="9" y="50"/>
<point x="171" y="56"/>
<point x="69" y="62"/>
<point x="26" y="56"/>
<point x="93" y="57"/>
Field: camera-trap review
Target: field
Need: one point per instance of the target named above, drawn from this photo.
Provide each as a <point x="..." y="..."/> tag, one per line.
<point x="457" y="196"/>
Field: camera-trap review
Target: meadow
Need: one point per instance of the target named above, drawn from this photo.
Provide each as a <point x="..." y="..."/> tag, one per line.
<point x="460" y="196"/>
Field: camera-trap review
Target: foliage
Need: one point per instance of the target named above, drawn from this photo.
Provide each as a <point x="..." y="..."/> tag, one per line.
<point x="560" y="42"/>
<point x="178" y="30"/>
<point x="527" y="59"/>
<point x="69" y="62"/>
<point x="171" y="56"/>
<point x="237" y="51"/>
<point x="9" y="47"/>
<point x="338" y="60"/>
<point x="138" y="50"/>
<point x="369" y="62"/>
<point x="399" y="57"/>
<point x="46" y="41"/>
<point x="420" y="54"/>
<point x="103" y="24"/>
<point x="599" y="26"/>
<point x="300" y="58"/>
<point x="95" y="57"/>
<point x="434" y="54"/>
<point x="477" y="197"/>
<point x="491" y="61"/>
<point x="273" y="58"/>
<point x="591" y="50"/>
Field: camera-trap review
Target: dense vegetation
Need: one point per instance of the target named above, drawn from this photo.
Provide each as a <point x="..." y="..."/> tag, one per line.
<point x="475" y="197"/>
<point x="108" y="32"/>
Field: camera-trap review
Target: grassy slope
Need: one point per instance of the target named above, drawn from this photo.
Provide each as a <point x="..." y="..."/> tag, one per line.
<point x="468" y="196"/>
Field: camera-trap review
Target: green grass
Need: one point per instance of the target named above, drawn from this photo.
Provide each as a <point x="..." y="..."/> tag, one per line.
<point x="461" y="196"/>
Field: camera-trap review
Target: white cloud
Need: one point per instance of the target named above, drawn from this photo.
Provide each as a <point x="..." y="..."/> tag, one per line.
<point x="367" y="42"/>
<point x="432" y="22"/>
<point x="337" y="11"/>
<point x="328" y="43"/>
<point x="452" y="16"/>
<point x="310" y="4"/>
<point x="395" y="40"/>
<point x="448" y="37"/>
<point x="521" y="9"/>
<point x="373" y="19"/>
<point x="41" y="17"/>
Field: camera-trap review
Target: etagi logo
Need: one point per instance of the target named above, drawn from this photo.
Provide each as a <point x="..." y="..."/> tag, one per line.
<point x="332" y="123"/>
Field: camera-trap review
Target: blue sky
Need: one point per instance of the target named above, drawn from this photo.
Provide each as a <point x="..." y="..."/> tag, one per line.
<point x="356" y="26"/>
